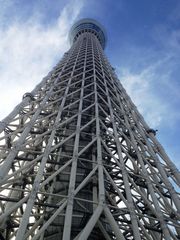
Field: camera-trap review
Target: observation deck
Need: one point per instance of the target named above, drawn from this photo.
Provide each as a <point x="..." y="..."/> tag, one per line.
<point x="88" y="25"/>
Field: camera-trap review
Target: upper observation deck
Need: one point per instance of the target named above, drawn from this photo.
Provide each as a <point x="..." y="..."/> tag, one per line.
<point x="88" y="25"/>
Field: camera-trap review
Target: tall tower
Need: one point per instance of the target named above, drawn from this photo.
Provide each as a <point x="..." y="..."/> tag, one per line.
<point x="79" y="162"/>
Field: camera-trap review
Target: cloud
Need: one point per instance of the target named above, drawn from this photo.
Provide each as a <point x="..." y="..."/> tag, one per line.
<point x="167" y="37"/>
<point x="167" y="33"/>
<point x="147" y="89"/>
<point x="28" y="50"/>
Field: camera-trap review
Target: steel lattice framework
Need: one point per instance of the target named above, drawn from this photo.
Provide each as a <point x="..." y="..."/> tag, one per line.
<point x="79" y="162"/>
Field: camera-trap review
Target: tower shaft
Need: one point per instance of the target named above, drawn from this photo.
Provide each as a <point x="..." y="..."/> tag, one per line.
<point x="79" y="162"/>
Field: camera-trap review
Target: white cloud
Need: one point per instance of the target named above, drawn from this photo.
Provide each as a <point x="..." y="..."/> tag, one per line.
<point x="28" y="50"/>
<point x="167" y="37"/>
<point x="141" y="88"/>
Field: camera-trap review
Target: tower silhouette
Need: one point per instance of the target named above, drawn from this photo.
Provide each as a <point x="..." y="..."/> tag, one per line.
<point x="79" y="162"/>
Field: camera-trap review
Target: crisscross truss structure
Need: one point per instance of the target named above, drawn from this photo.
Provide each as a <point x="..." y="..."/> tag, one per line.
<point x="79" y="162"/>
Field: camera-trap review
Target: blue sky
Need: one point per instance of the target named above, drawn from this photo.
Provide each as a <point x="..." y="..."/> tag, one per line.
<point x="143" y="46"/>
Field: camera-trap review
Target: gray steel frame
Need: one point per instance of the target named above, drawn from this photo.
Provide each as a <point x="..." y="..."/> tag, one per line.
<point x="78" y="161"/>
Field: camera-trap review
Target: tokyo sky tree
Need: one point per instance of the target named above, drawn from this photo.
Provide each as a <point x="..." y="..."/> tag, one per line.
<point x="79" y="162"/>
